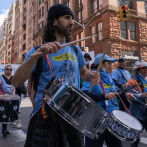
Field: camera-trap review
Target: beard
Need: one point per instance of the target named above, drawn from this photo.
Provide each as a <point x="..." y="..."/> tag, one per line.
<point x="63" y="30"/>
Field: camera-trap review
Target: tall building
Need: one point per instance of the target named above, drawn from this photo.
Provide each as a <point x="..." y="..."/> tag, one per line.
<point x="3" y="40"/>
<point x="128" y="39"/>
<point x="18" y="33"/>
<point x="11" y="32"/>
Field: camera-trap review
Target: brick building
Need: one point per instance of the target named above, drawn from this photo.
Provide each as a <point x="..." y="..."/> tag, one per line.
<point x="127" y="39"/>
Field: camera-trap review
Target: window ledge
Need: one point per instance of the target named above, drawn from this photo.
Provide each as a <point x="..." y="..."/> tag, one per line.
<point x="126" y="40"/>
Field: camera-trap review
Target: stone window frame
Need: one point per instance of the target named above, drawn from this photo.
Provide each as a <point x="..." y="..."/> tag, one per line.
<point x="97" y="3"/>
<point x="92" y="32"/>
<point x="99" y="31"/>
<point x="145" y="7"/>
<point x="132" y="31"/>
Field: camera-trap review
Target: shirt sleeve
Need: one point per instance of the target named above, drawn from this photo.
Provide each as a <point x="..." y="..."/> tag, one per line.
<point x="81" y="59"/>
<point x="29" y="55"/>
<point x="93" y="95"/>
<point x="114" y="74"/>
<point x="6" y="88"/>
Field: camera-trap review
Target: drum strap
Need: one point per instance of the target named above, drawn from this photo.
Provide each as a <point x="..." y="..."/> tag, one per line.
<point x="43" y="109"/>
<point x="103" y="91"/>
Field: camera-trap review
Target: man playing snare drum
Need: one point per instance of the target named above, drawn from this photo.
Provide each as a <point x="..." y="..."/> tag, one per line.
<point x="53" y="128"/>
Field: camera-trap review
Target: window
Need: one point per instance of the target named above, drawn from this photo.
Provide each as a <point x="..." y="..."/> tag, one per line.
<point x="99" y="31"/>
<point x="79" y="3"/>
<point x="79" y="16"/>
<point x="77" y="38"/>
<point x="42" y="23"/>
<point x="67" y="3"/>
<point x="95" y="5"/>
<point x="123" y="30"/>
<point x="24" y="36"/>
<point x="39" y="2"/>
<point x="145" y="5"/>
<point x="129" y="3"/>
<point x="23" y="47"/>
<point x="42" y="11"/>
<point x="39" y="26"/>
<point x="47" y="6"/>
<point x="56" y="1"/>
<point x="81" y="44"/>
<point x="92" y="32"/>
<point x="132" y="31"/>
<point x="39" y="14"/>
<point x="79" y="9"/>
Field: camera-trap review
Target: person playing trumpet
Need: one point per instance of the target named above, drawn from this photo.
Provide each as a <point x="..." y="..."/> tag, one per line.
<point x="56" y="33"/>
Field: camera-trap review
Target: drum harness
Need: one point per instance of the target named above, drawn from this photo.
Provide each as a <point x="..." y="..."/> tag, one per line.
<point x="37" y="75"/>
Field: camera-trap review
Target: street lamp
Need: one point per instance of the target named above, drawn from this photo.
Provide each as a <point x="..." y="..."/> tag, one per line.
<point x="84" y="26"/>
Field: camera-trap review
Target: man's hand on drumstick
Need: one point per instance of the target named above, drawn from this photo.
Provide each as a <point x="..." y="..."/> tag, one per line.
<point x="94" y="77"/>
<point x="130" y="96"/>
<point x="48" y="48"/>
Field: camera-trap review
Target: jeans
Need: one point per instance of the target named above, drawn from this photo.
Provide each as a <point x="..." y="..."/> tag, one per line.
<point x="111" y="141"/>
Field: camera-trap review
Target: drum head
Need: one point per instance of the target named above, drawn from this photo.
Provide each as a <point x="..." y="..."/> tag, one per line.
<point x="127" y="119"/>
<point x="8" y="97"/>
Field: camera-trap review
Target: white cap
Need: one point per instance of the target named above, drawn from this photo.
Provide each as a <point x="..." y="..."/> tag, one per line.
<point x="139" y="64"/>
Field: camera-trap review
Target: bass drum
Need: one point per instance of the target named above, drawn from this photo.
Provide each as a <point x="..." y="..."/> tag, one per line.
<point x="9" y="108"/>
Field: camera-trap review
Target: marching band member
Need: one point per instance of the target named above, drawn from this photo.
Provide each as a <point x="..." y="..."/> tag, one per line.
<point x="121" y="76"/>
<point x="64" y="63"/>
<point x="110" y="95"/>
<point x="137" y="109"/>
<point x="4" y="89"/>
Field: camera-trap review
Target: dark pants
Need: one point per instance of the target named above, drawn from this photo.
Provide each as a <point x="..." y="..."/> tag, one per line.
<point x="144" y="125"/>
<point x="4" y="126"/>
<point x="52" y="132"/>
<point x="111" y="141"/>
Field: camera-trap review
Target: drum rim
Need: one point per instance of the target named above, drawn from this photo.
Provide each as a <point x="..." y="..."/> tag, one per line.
<point x="123" y="123"/>
<point x="16" y="97"/>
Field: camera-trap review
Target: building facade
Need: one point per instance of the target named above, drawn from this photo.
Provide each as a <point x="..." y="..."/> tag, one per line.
<point x="128" y="39"/>
<point x="11" y="32"/>
<point x="3" y="40"/>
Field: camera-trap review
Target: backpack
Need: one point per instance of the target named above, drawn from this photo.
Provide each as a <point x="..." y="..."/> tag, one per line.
<point x="33" y="80"/>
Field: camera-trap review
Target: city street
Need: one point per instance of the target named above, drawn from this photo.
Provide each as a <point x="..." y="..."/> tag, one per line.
<point x="16" y="138"/>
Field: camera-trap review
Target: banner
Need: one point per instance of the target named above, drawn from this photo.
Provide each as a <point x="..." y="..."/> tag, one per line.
<point x="14" y="68"/>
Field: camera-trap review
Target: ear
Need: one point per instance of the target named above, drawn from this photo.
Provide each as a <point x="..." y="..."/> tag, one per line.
<point x="55" y="22"/>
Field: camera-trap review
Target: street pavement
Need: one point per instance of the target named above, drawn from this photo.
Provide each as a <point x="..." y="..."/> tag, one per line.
<point x="17" y="137"/>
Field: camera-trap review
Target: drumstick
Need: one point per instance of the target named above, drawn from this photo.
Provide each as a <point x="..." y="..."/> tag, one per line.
<point x="40" y="53"/>
<point x="100" y="63"/>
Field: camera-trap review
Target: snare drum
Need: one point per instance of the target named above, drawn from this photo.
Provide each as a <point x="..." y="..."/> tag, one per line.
<point x="124" y="126"/>
<point x="77" y="109"/>
<point x="9" y="108"/>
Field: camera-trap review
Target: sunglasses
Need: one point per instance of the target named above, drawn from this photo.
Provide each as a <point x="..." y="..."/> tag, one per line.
<point x="9" y="69"/>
